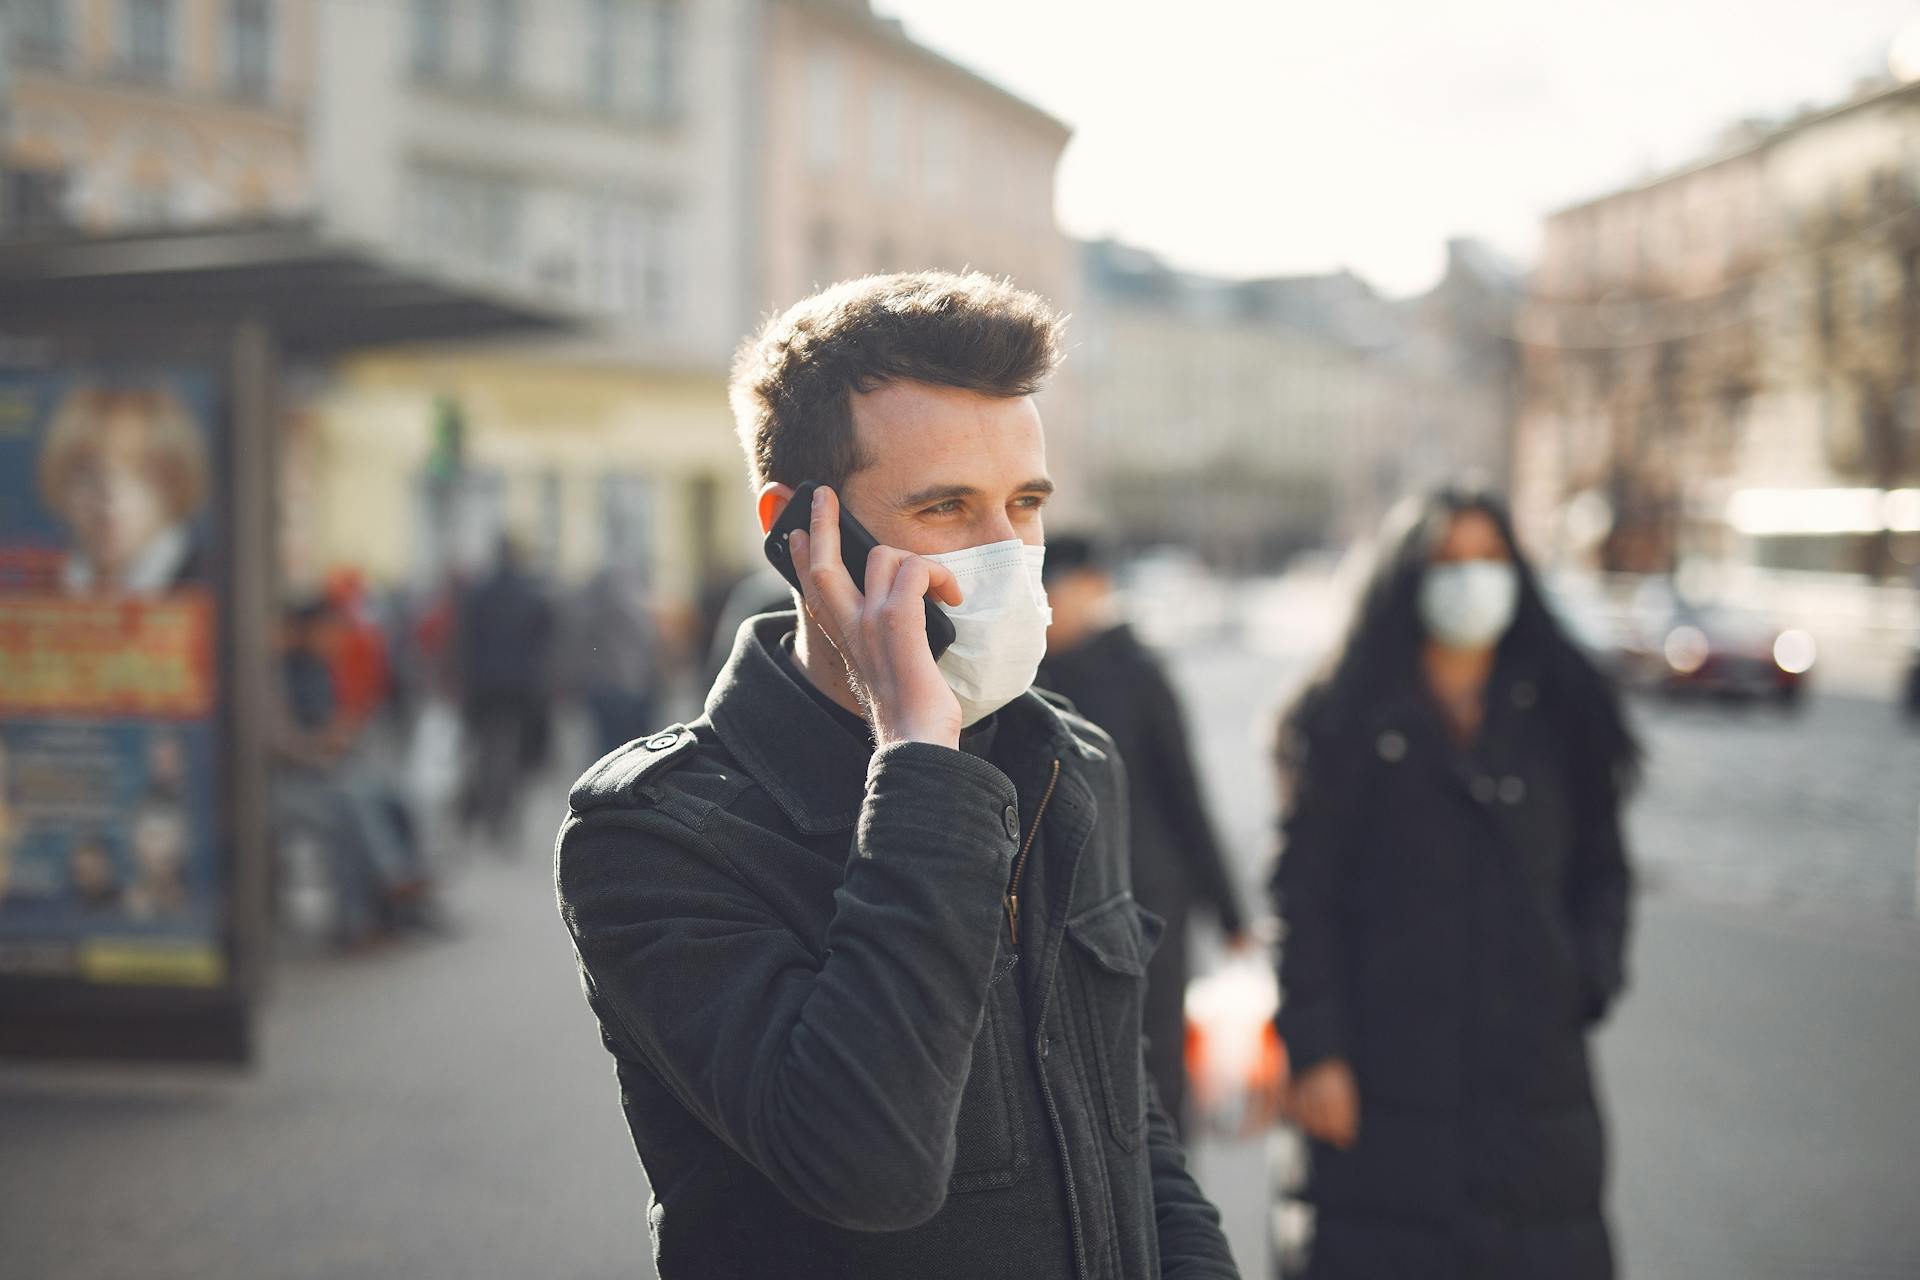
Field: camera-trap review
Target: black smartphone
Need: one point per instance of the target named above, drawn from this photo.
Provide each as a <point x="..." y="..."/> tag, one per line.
<point x="855" y="544"/>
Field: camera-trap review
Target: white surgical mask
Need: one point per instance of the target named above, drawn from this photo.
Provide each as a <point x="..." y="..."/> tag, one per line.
<point x="1000" y="626"/>
<point x="1469" y="604"/>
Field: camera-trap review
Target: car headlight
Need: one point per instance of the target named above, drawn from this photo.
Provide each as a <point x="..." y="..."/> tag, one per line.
<point x="1686" y="649"/>
<point x="1793" y="652"/>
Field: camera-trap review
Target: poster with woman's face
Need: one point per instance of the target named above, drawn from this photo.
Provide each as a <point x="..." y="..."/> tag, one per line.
<point x="108" y="676"/>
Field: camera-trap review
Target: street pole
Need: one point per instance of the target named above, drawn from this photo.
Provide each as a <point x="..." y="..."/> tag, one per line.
<point x="6" y="117"/>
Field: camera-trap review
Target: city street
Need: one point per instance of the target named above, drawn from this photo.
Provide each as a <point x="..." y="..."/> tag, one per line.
<point x="1761" y="1075"/>
<point x="443" y="1108"/>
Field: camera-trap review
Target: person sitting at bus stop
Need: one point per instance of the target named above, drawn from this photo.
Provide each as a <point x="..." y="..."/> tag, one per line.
<point x="379" y="869"/>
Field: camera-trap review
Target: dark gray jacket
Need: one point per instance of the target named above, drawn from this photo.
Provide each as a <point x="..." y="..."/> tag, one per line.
<point x="834" y="1056"/>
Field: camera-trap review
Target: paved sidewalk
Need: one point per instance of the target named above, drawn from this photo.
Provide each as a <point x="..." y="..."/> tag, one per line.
<point x="434" y="1109"/>
<point x="1762" y="1084"/>
<point x="444" y="1109"/>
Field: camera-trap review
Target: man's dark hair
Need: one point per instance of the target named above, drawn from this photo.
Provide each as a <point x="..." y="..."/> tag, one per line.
<point x="793" y="383"/>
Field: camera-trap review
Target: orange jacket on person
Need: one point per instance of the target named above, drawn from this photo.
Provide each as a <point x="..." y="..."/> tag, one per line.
<point x="356" y="652"/>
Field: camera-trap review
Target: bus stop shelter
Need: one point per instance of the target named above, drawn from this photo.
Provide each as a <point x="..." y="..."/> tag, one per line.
<point x="140" y="405"/>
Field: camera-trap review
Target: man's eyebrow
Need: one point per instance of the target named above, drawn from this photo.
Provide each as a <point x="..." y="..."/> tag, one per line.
<point x="948" y="492"/>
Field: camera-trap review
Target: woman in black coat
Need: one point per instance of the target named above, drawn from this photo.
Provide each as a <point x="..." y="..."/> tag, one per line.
<point x="1455" y="896"/>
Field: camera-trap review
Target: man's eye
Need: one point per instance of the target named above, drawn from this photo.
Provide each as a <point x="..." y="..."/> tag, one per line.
<point x="948" y="507"/>
<point x="1032" y="502"/>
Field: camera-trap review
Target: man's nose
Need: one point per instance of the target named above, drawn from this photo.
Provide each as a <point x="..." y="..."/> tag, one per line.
<point x="995" y="528"/>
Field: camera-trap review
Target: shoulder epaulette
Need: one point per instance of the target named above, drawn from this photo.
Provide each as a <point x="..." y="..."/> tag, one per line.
<point x="617" y="776"/>
<point x="1059" y="700"/>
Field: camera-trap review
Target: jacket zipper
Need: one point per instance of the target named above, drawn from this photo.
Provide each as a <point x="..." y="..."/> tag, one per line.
<point x="1020" y="863"/>
<point x="1080" y="1265"/>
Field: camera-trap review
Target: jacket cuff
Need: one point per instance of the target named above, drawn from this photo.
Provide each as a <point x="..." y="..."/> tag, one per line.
<point x="1311" y="1035"/>
<point x="921" y="795"/>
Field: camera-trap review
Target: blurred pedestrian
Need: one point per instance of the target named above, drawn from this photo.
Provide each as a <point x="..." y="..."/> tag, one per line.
<point x="376" y="866"/>
<point x="357" y="650"/>
<point x="1097" y="662"/>
<point x="1455" y="895"/>
<point x="759" y="591"/>
<point x="505" y="638"/>
<point x="613" y="657"/>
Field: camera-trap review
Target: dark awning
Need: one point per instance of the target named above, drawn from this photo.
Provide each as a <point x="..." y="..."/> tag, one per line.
<point x="319" y="295"/>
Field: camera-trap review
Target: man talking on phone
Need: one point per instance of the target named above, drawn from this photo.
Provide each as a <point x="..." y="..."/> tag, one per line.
<point x="861" y="939"/>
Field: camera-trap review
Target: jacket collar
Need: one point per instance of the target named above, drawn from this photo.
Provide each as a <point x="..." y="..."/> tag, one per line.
<point x="807" y="763"/>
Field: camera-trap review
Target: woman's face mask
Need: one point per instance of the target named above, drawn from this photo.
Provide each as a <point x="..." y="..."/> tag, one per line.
<point x="1469" y="604"/>
<point x="1000" y="627"/>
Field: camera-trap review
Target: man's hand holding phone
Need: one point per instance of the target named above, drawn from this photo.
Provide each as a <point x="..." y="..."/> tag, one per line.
<point x="880" y="632"/>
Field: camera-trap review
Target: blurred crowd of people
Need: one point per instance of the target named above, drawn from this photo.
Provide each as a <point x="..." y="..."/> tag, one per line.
<point x="415" y="723"/>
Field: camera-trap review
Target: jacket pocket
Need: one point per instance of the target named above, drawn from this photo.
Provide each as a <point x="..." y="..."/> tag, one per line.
<point x="988" y="1152"/>
<point x="1114" y="941"/>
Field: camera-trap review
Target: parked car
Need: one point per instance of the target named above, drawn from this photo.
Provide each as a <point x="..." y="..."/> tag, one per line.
<point x="1679" y="647"/>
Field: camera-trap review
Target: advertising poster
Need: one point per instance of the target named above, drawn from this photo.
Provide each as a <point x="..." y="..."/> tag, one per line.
<point x="109" y="626"/>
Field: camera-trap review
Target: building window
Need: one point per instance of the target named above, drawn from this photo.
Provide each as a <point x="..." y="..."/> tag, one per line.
<point x="633" y="53"/>
<point x="1867" y="290"/>
<point x="626" y="521"/>
<point x="603" y="52"/>
<point x="497" y="207"/>
<point x="884" y="127"/>
<point x="148" y="37"/>
<point x="250" y="47"/>
<point x="40" y="31"/>
<point x="660" y="56"/>
<point x="940" y="155"/>
<point x="431" y="19"/>
<point x="502" y="32"/>
<point x="823" y="266"/>
<point x="823" y="111"/>
<point x="36" y="201"/>
<point x="654" y="256"/>
<point x="149" y="204"/>
<point x="630" y="255"/>
<point x="469" y="221"/>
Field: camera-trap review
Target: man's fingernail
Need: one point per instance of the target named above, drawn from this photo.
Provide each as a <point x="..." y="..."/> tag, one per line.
<point x="819" y="499"/>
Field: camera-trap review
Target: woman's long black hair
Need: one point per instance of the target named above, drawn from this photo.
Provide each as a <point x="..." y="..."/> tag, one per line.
<point x="1380" y="657"/>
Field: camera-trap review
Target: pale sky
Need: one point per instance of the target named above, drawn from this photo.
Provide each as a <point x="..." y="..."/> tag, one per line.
<point x="1264" y="136"/>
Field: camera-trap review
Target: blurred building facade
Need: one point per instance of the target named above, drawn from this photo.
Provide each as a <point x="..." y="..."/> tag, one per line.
<point x="1720" y="363"/>
<point x="1252" y="419"/>
<point x="660" y="172"/>
<point x="135" y="115"/>
<point x="589" y="158"/>
<point x="877" y="154"/>
<point x="881" y="155"/>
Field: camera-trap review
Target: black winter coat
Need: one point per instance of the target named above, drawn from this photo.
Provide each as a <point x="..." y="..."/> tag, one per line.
<point x="1455" y="922"/>
<point x="1116" y="682"/>
<point x="834" y="1057"/>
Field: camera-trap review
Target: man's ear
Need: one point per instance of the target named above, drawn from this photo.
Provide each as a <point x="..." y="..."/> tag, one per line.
<point x="772" y="501"/>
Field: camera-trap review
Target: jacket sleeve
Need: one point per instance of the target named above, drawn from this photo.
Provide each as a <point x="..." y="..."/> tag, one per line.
<point x="838" y="1076"/>
<point x="1192" y="1245"/>
<point x="1599" y="900"/>
<point x="1172" y="774"/>
<point x="1311" y="896"/>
